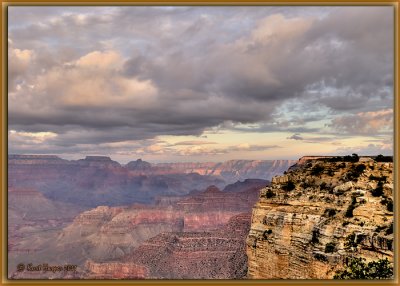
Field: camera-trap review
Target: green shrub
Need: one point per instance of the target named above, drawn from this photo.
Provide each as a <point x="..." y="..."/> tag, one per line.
<point x="378" y="191"/>
<point x="315" y="235"/>
<point x="353" y="158"/>
<point x="351" y="207"/>
<point x="349" y="211"/>
<point x="305" y="185"/>
<point x="355" y="172"/>
<point x="380" y="228"/>
<point x="356" y="268"/>
<point x="335" y="159"/>
<point x="381" y="158"/>
<point x="389" y="229"/>
<point x="330" y="247"/>
<point x="266" y="233"/>
<point x="350" y="241"/>
<point x="374" y="178"/>
<point x="317" y="170"/>
<point x="320" y="257"/>
<point x="388" y="202"/>
<point x="360" y="168"/>
<point x="389" y="205"/>
<point x="270" y="194"/>
<point x="289" y="186"/>
<point x="330" y="212"/>
<point x="390" y="244"/>
<point x="353" y="240"/>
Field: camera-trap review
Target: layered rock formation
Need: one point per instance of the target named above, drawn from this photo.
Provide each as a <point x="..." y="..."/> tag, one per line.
<point x="184" y="255"/>
<point x="66" y="212"/>
<point x="309" y="221"/>
<point x="111" y="233"/>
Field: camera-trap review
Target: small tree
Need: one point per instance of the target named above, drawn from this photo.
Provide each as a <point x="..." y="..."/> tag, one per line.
<point x="330" y="247"/>
<point x="356" y="268"/>
<point x="378" y="191"/>
<point x="317" y="170"/>
<point x="349" y="211"/>
<point x="289" y="186"/>
<point x="355" y="157"/>
<point x="269" y="194"/>
<point x="381" y="158"/>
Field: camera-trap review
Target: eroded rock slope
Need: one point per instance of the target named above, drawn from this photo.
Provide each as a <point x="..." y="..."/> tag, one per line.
<point x="319" y="213"/>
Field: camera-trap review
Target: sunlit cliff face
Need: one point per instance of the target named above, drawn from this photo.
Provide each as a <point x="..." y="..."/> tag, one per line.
<point x="200" y="83"/>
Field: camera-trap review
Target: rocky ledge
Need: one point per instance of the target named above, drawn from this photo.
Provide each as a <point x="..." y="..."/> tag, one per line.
<point x="324" y="211"/>
<point x="218" y="254"/>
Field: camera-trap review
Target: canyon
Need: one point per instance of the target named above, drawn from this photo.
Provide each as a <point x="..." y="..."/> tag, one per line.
<point x="213" y="254"/>
<point x="98" y="180"/>
<point x="200" y="220"/>
<point x="99" y="240"/>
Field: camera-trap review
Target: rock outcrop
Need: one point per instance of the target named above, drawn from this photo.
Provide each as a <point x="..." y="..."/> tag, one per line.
<point x="184" y="255"/>
<point x="310" y="220"/>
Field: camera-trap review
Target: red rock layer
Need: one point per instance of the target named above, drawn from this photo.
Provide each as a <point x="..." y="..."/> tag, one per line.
<point x="185" y="255"/>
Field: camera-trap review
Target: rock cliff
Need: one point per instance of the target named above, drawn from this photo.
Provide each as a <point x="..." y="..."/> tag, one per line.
<point x="310" y="220"/>
<point x="218" y="254"/>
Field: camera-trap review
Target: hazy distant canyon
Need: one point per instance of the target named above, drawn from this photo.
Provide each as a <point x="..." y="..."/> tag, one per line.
<point x="98" y="180"/>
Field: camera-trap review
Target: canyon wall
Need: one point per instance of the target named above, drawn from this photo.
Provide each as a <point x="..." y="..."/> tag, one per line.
<point x="218" y="254"/>
<point x="109" y="234"/>
<point x="309" y="221"/>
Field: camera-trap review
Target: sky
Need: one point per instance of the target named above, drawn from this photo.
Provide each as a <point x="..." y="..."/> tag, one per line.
<point x="175" y="84"/>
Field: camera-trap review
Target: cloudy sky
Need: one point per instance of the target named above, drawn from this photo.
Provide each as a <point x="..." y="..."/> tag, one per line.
<point x="200" y="83"/>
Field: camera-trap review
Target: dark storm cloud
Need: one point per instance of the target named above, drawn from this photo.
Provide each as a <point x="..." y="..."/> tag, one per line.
<point x="98" y="75"/>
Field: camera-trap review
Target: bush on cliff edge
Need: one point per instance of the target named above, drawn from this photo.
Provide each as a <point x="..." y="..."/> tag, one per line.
<point x="356" y="268"/>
